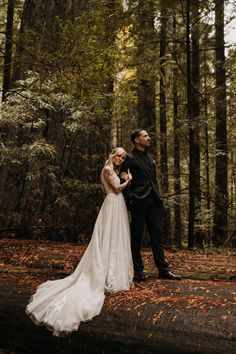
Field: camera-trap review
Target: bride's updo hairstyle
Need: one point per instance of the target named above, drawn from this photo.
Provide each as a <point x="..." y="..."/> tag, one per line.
<point x="116" y="151"/>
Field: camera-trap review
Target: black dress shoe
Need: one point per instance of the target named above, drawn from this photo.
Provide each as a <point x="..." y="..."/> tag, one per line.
<point x="168" y="275"/>
<point x="139" y="276"/>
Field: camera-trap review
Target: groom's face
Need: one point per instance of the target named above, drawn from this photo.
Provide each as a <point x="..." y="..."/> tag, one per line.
<point x="143" y="139"/>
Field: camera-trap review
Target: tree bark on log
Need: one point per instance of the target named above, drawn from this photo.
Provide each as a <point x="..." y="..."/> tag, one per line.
<point x="194" y="315"/>
<point x="157" y="316"/>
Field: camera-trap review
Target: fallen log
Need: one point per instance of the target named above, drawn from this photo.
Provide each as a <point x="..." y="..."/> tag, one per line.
<point x="155" y="317"/>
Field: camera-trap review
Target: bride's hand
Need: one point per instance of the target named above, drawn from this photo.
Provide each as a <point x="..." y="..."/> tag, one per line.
<point x="126" y="176"/>
<point x="129" y="176"/>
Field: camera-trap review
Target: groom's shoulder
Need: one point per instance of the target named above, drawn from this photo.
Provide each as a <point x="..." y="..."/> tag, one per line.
<point x="130" y="156"/>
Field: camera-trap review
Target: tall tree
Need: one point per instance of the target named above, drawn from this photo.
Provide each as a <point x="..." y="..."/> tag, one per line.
<point x="176" y="132"/>
<point x="163" y="117"/>
<point x="195" y="167"/>
<point x="191" y="130"/>
<point x="8" y="49"/>
<point x="193" y="78"/>
<point x="206" y="135"/>
<point x="146" y="79"/>
<point x="221" y="169"/>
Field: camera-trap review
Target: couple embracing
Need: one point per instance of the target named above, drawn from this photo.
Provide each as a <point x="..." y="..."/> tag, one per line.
<point x="112" y="259"/>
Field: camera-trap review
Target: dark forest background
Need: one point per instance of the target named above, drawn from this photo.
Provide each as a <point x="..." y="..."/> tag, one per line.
<point x="77" y="76"/>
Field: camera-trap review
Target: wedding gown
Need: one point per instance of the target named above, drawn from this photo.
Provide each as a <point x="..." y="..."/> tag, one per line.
<point x="106" y="266"/>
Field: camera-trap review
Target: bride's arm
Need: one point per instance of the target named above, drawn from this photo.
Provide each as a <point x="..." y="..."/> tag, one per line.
<point x="111" y="178"/>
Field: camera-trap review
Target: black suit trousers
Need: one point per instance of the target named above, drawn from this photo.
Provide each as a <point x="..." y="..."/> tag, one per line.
<point x="145" y="211"/>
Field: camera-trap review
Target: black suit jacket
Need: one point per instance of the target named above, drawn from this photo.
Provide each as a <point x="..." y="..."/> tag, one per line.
<point x="144" y="178"/>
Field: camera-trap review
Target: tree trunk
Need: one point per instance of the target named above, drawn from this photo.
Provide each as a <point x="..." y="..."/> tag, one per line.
<point x="29" y="12"/>
<point x="191" y="241"/>
<point x="163" y="123"/>
<point x="207" y="160"/>
<point x="195" y="168"/>
<point x="169" y="319"/>
<point x="146" y="105"/>
<point x="41" y="18"/>
<point x="221" y="172"/>
<point x="176" y="132"/>
<point x="8" y="49"/>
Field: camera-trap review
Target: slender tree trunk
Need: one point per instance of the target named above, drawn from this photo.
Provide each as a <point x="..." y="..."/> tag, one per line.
<point x="146" y="86"/>
<point x="163" y="122"/>
<point x="221" y="176"/>
<point x="111" y="36"/>
<point x="176" y="118"/>
<point x="8" y="49"/>
<point x="7" y="68"/>
<point x="206" y="138"/>
<point x="191" y="216"/>
<point x="233" y="193"/>
<point x="195" y="169"/>
<point x="146" y="104"/>
<point x="27" y="14"/>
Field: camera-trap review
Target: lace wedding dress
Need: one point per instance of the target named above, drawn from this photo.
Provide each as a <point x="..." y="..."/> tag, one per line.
<point x="106" y="266"/>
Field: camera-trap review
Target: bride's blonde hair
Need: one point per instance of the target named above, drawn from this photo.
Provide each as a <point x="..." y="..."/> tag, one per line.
<point x="116" y="151"/>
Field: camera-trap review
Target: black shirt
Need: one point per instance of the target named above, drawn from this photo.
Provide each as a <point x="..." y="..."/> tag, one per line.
<point x="143" y="157"/>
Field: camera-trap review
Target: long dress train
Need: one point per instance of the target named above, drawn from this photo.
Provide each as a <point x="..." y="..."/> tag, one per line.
<point x="106" y="266"/>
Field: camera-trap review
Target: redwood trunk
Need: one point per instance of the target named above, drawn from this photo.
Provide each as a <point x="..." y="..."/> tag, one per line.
<point x="8" y="49"/>
<point x="221" y="174"/>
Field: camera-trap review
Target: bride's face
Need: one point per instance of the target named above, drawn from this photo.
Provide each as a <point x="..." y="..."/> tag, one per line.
<point x="119" y="158"/>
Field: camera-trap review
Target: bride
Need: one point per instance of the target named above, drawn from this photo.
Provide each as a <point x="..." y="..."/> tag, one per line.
<point x="106" y="265"/>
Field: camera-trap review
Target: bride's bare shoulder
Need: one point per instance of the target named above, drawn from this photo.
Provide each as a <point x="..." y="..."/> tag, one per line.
<point x="107" y="170"/>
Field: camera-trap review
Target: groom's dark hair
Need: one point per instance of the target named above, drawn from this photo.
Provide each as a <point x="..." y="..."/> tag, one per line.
<point x="135" y="134"/>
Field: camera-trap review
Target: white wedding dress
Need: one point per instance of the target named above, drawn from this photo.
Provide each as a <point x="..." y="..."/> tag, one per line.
<point x="106" y="266"/>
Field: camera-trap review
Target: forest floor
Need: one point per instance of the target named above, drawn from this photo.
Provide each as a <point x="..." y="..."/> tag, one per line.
<point x="36" y="260"/>
<point x="203" y="302"/>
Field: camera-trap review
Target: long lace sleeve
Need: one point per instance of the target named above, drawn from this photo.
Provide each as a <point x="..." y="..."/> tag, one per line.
<point x="111" y="178"/>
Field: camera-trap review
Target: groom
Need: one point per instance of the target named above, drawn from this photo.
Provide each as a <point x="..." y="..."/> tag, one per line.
<point x="145" y="204"/>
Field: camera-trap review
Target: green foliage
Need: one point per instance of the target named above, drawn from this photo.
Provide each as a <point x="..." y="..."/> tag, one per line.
<point x="38" y="145"/>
